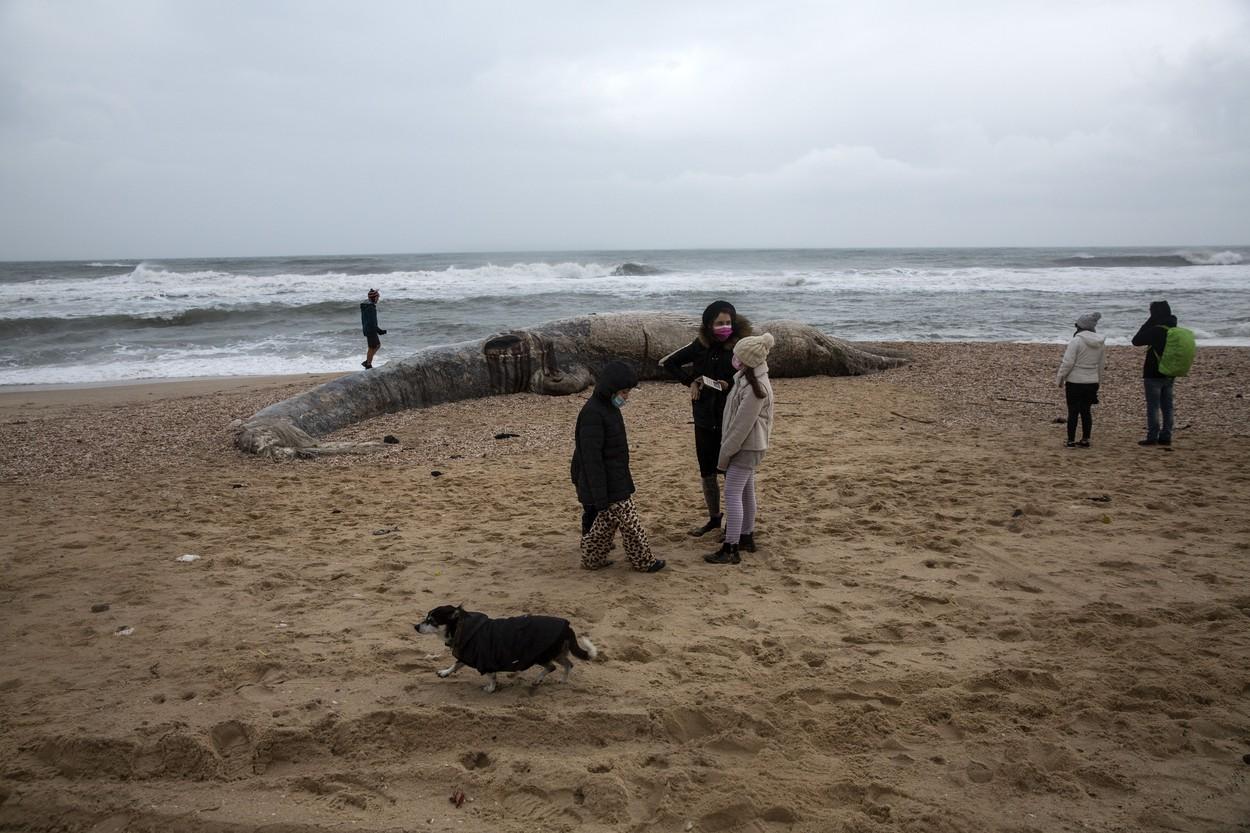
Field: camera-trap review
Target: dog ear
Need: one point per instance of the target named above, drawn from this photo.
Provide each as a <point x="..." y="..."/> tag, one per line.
<point x="459" y="611"/>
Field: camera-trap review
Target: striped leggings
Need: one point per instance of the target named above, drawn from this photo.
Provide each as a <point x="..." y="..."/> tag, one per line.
<point x="739" y="502"/>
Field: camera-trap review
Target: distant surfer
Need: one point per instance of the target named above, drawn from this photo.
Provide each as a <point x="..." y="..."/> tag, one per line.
<point x="369" y="322"/>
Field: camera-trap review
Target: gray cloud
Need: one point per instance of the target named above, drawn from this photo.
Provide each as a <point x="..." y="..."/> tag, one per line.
<point x="166" y="129"/>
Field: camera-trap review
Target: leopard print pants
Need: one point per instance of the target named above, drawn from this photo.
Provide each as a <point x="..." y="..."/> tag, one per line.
<point x="597" y="543"/>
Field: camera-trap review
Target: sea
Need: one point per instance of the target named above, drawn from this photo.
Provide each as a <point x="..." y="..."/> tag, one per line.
<point x="99" y="321"/>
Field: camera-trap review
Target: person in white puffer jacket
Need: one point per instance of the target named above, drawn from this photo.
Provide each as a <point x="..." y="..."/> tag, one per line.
<point x="1080" y="374"/>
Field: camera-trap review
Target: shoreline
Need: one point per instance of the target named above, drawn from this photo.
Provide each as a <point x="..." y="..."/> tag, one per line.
<point x="124" y="392"/>
<point x="192" y="385"/>
<point x="229" y="381"/>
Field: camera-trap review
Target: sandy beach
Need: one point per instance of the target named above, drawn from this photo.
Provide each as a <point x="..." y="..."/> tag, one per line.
<point x="953" y="623"/>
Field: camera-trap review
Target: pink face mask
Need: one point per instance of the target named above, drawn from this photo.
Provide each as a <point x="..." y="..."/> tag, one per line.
<point x="737" y="364"/>
<point x="722" y="333"/>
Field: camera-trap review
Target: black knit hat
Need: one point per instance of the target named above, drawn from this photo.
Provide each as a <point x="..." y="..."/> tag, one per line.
<point x="716" y="308"/>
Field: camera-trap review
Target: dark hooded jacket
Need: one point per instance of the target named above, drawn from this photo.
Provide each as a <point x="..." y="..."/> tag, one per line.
<point x="1154" y="336"/>
<point x="713" y="359"/>
<point x="514" y="644"/>
<point x="600" y="468"/>
<point x="369" y="319"/>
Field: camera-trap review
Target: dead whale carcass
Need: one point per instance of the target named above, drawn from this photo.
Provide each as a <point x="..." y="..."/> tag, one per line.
<point x="556" y="358"/>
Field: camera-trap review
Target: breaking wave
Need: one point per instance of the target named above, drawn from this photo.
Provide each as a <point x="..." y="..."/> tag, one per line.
<point x="1225" y="258"/>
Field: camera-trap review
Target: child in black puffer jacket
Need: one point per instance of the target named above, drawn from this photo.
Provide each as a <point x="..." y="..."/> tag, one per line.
<point x="600" y="471"/>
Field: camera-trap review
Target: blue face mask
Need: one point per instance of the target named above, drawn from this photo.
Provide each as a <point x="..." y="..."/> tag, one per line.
<point x="618" y="400"/>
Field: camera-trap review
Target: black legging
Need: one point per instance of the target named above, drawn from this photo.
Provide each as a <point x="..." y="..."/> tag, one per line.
<point x="1080" y="396"/>
<point x="707" y="449"/>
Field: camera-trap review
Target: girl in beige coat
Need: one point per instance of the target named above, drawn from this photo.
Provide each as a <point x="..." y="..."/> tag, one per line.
<point x="745" y="428"/>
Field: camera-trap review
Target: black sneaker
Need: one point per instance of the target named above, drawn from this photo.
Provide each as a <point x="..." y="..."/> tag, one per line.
<point x="1070" y="444"/>
<point x="366" y="365"/>
<point x="1165" y="442"/>
<point x="1147" y="442"/>
<point x="727" y="554"/>
<point x="713" y="523"/>
<point x="747" y="541"/>
<point x="1082" y="444"/>
<point x="656" y="566"/>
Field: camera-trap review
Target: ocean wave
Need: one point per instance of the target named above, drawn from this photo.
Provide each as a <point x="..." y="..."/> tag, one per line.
<point x="1111" y="261"/>
<point x="635" y="269"/>
<point x="54" y="325"/>
<point x="1224" y="258"/>
<point x="176" y="367"/>
<point x="151" y="295"/>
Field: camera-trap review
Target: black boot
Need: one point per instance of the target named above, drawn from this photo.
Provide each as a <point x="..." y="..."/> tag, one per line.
<point x="747" y="542"/>
<point x="713" y="523"/>
<point x="727" y="554"/>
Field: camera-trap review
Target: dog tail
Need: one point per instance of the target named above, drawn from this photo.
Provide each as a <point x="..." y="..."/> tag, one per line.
<point x="581" y="647"/>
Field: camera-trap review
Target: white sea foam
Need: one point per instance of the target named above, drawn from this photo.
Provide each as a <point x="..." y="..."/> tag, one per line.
<point x="175" y="366"/>
<point x="157" y="292"/>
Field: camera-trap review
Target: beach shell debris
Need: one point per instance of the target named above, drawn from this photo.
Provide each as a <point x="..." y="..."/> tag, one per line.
<point x="187" y="558"/>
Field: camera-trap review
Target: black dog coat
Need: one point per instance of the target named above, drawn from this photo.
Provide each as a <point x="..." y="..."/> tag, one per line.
<point x="513" y="644"/>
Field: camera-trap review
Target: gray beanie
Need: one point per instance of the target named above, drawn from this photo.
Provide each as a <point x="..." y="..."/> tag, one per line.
<point x="1088" y="321"/>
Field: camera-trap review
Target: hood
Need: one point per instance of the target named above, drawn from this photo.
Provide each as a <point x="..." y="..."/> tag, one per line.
<point x="1161" y="311"/>
<point x="615" y="376"/>
<point x="1091" y="338"/>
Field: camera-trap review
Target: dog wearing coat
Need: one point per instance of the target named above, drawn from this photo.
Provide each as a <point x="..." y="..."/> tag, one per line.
<point x="490" y="646"/>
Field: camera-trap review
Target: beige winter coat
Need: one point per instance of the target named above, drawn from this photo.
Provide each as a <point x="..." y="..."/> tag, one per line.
<point x="748" y="420"/>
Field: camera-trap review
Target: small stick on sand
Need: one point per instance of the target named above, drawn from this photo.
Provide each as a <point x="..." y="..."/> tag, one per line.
<point x="1029" y="401"/>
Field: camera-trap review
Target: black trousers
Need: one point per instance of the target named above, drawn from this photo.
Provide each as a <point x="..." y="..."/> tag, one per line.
<point x="1081" y="396"/>
<point x="707" y="449"/>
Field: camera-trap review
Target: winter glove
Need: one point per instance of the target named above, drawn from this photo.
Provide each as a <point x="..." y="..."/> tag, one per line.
<point x="381" y="332"/>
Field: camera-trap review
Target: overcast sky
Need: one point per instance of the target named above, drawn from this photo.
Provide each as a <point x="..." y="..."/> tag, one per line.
<point x="165" y="129"/>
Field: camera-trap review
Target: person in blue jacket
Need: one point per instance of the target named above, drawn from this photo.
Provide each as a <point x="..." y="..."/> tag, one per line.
<point x="369" y="323"/>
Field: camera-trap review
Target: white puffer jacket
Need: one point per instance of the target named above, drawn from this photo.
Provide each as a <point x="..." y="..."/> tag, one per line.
<point x="1083" y="360"/>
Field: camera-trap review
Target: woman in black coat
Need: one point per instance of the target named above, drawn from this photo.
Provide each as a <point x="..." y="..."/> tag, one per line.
<point x="709" y="357"/>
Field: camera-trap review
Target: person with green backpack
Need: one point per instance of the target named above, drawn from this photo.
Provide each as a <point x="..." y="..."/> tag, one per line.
<point x="1170" y="354"/>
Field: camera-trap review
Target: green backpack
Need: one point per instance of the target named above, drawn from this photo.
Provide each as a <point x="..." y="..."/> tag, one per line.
<point x="1178" y="353"/>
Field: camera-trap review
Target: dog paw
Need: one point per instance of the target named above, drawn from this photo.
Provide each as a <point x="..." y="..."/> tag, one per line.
<point x="443" y="673"/>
